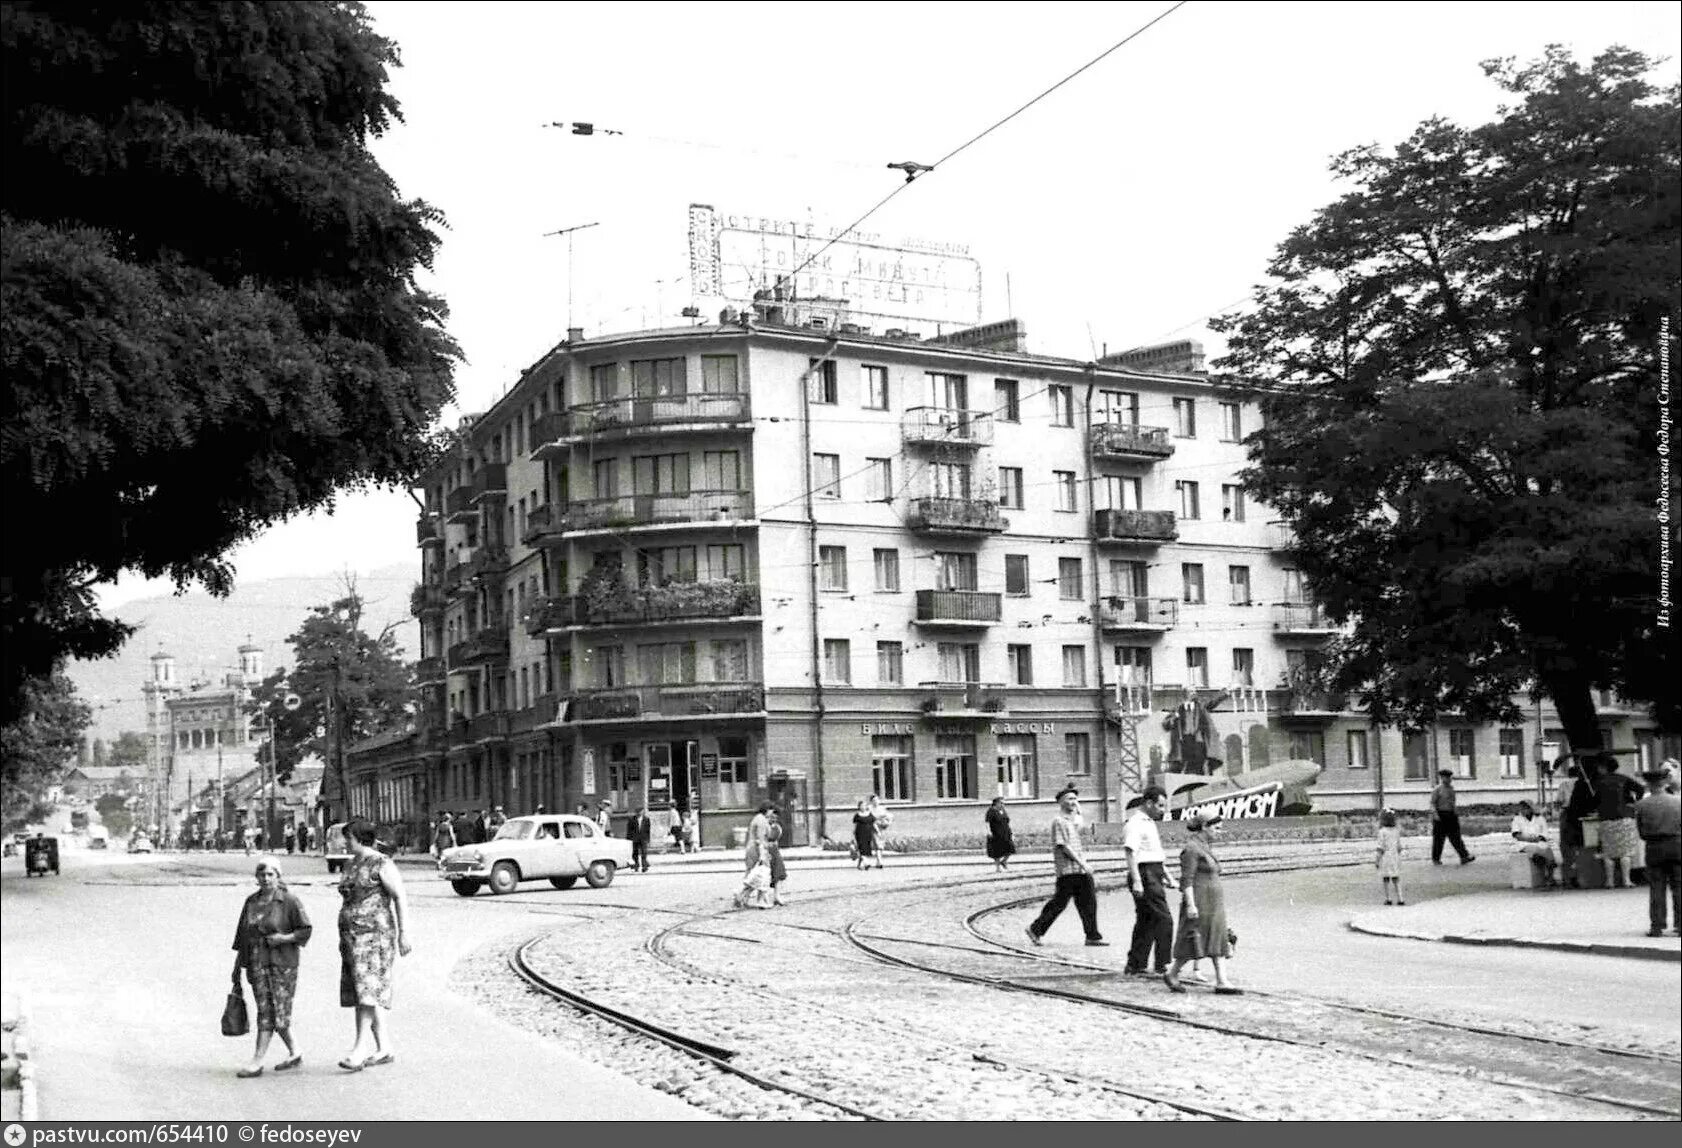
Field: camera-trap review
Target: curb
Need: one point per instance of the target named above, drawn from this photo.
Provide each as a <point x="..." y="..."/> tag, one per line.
<point x="1594" y="948"/>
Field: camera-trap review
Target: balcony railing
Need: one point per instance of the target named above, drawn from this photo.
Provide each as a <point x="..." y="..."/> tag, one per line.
<point x="427" y="598"/>
<point x="956" y="516"/>
<point x="490" y="478"/>
<point x="455" y="572"/>
<point x="958" y="607"/>
<point x="1279" y="537"/>
<point x="673" y="602"/>
<point x="963" y="699"/>
<point x="1312" y="704"/>
<point x="548" y="433"/>
<point x="1296" y="619"/>
<point x="430" y="669"/>
<point x="540" y="713"/>
<point x="544" y="523"/>
<point x="1132" y="443"/>
<point x="1146" y="615"/>
<point x="489" y="644"/>
<point x="656" y="509"/>
<point x="458" y="504"/>
<point x="486" y="726"/>
<point x="429" y="528"/>
<point x="945" y="426"/>
<point x="1141" y="526"/>
<point x="549" y="614"/>
<point x="659" y="412"/>
<point x="699" y="699"/>
<point x="456" y="731"/>
<point x="488" y="560"/>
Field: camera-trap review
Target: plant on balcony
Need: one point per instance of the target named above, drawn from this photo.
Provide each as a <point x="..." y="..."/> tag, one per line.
<point x="992" y="705"/>
<point x="605" y="593"/>
<point x="930" y="705"/>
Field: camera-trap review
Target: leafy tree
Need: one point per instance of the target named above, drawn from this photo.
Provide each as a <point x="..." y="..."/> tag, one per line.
<point x="1458" y="369"/>
<point x="37" y="747"/>
<point x="349" y="684"/>
<point x="131" y="751"/>
<point x="209" y="318"/>
<point x="114" y="813"/>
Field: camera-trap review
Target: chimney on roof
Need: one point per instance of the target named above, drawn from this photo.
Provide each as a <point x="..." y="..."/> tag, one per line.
<point x="1181" y="357"/>
<point x="1009" y="335"/>
<point x="575" y="334"/>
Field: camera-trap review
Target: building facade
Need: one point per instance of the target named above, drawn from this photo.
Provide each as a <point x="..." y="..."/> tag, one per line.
<point x="200" y="734"/>
<point x="703" y="567"/>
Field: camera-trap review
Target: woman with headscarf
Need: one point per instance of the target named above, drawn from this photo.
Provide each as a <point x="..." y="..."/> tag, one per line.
<point x="373" y="931"/>
<point x="1203" y="929"/>
<point x="1000" y="843"/>
<point x="864" y="834"/>
<point x="272" y="928"/>
<point x="756" y="891"/>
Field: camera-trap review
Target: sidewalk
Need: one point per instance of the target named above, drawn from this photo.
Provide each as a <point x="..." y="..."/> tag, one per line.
<point x="1607" y="922"/>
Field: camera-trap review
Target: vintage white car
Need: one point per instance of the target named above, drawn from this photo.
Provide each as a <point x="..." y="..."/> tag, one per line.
<point x="558" y="847"/>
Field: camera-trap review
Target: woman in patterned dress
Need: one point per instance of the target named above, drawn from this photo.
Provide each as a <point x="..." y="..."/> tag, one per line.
<point x="373" y="931"/>
<point x="272" y="928"/>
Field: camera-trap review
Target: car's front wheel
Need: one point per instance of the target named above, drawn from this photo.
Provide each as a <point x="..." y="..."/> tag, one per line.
<point x="563" y="882"/>
<point x="504" y="878"/>
<point x="599" y="874"/>
<point x="464" y="887"/>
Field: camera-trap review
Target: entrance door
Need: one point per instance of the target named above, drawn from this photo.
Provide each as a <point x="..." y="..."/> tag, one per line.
<point x="658" y="758"/>
<point x="788" y="794"/>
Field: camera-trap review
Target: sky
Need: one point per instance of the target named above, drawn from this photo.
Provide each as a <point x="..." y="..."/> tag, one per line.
<point x="1126" y="208"/>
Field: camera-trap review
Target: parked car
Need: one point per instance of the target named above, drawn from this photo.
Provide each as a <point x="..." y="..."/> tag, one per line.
<point x="139" y="843"/>
<point x="99" y="837"/>
<point x="559" y="848"/>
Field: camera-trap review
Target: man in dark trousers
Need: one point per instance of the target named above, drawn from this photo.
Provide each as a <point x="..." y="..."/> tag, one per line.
<point x="638" y="830"/>
<point x="1149" y="882"/>
<point x="1445" y="822"/>
<point x="465" y="834"/>
<point x="1074" y="874"/>
<point x="1658" y="818"/>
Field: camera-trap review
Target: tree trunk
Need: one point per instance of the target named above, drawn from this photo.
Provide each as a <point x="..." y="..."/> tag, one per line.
<point x="1573" y="699"/>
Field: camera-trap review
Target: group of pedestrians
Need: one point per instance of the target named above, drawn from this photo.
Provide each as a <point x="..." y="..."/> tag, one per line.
<point x="1156" y="948"/>
<point x="273" y="928"/>
<point x="467" y="827"/>
<point x="762" y="882"/>
<point x="870" y="832"/>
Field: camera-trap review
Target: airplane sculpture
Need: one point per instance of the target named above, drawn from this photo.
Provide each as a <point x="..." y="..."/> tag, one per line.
<point x="1263" y="792"/>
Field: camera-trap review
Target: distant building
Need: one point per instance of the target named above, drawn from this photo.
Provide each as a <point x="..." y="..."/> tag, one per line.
<point x="199" y="731"/>
<point x="95" y="781"/>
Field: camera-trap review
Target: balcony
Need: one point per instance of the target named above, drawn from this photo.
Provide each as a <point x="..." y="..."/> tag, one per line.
<point x="1123" y="442"/>
<point x="455" y="572"/>
<point x="549" y="614"/>
<point x="545" y="524"/>
<point x="427" y="598"/>
<point x="429" y="528"/>
<point x="489" y="480"/>
<point x="455" y="733"/>
<point x="1302" y="620"/>
<point x="963" y="516"/>
<point x="956" y="609"/>
<point x="963" y="699"/>
<point x="1138" y="615"/>
<point x="1279" y="538"/>
<point x="429" y="670"/>
<point x="487" y="726"/>
<point x="945" y="426"/>
<point x="1139" y="527"/>
<point x="549" y="434"/>
<point x="689" y="700"/>
<point x="487" y="560"/>
<point x="673" y="602"/>
<point x="540" y="713"/>
<point x="663" y="413"/>
<point x="1312" y="705"/>
<point x="489" y="644"/>
<point x="458" y="505"/>
<point x="697" y="506"/>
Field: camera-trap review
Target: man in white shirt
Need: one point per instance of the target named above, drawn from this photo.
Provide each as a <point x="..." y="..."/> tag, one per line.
<point x="1530" y="830"/>
<point x="1148" y="881"/>
<point x="1074" y="874"/>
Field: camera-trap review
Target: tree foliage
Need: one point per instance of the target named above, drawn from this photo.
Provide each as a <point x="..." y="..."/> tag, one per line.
<point x="210" y="318"/>
<point x="1458" y="369"/>
<point x="350" y="685"/>
<point x="37" y="747"/>
<point x="131" y="751"/>
<point x="114" y="813"/>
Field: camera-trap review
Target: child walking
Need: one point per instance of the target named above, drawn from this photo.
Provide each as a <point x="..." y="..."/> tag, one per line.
<point x="1390" y="856"/>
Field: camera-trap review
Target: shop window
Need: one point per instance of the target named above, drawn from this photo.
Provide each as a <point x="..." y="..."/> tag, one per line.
<point x="1016" y="765"/>
<point x="954" y="767"/>
<point x="891" y="767"/>
<point x="734" y="780"/>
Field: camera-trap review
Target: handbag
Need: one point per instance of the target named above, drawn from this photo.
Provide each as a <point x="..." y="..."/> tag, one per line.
<point x="235" y="1020"/>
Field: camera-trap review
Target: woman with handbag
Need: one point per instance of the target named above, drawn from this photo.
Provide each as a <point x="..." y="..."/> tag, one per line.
<point x="272" y="928"/>
<point x="1000" y="843"/>
<point x="1203" y="931"/>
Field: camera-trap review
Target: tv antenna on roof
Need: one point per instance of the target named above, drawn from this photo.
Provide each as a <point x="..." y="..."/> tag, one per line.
<point x="567" y="231"/>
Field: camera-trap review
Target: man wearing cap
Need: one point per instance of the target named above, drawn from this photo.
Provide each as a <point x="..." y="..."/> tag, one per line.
<point x="639" y="830"/>
<point x="1074" y="874"/>
<point x="1658" y="818"/>
<point x="497" y="818"/>
<point x="1445" y="822"/>
<point x="1149" y="882"/>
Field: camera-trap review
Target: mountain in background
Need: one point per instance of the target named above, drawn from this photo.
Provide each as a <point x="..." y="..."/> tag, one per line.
<point x="204" y="634"/>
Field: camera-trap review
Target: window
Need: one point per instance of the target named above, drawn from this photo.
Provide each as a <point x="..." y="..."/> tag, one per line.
<point x="1069" y="580"/>
<point x="1356" y="739"/>
<point x="949" y="479"/>
<point x="1188" y="499"/>
<point x="624" y="777"/>
<point x="1062" y="404"/>
<point x="663" y="564"/>
<point x="721" y="470"/>
<point x="1185" y="418"/>
<point x="1238" y="581"/>
<point x="606" y="475"/>
<point x="734" y="782"/>
<point x="879" y="479"/>
<point x="609" y="662"/>
<point x="1243" y="667"/>
<point x="1232" y="425"/>
<point x="948" y="392"/>
<point x="1416" y="757"/>
<point x="1191" y="582"/>
<point x="959" y="661"/>
<point x="838" y="661"/>
<point x="954" y="570"/>
<point x="1016" y="575"/>
<point x="1293" y="586"/>
<point x="823" y="385"/>
<point x="1010" y="487"/>
<point x="890" y="663"/>
<point x="660" y="474"/>
<point x="1007" y="401"/>
<point x="1064" y="480"/>
<point x="1309" y="745"/>
<point x="666" y="663"/>
<point x="654" y="378"/>
<point x="887" y="571"/>
<point x="1512" y="753"/>
<point x="826" y="475"/>
<point x="1117" y="408"/>
<point x="718" y="374"/>
<point x="1120" y="492"/>
<point x="1197" y="667"/>
<point x="1016" y="765"/>
<point x="726" y="560"/>
<point x="1133" y="665"/>
<point x="1077" y="753"/>
<point x="832" y="568"/>
<point x="1232" y="503"/>
<point x="604" y="382"/>
<point x="730" y="660"/>
<point x="954" y="767"/>
<point x="876" y="388"/>
<point x="1460" y="752"/>
<point x="1129" y="578"/>
<point x="890" y="767"/>
<point x="1019" y="662"/>
<point x="1074" y="666"/>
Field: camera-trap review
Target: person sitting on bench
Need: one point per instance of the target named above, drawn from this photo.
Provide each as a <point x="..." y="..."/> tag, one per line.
<point x="1530" y="830"/>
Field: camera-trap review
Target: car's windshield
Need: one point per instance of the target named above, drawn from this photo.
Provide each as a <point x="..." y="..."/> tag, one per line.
<point x="513" y="831"/>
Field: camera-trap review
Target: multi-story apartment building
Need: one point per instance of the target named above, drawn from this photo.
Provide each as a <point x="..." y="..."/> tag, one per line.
<point x="700" y="567"/>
